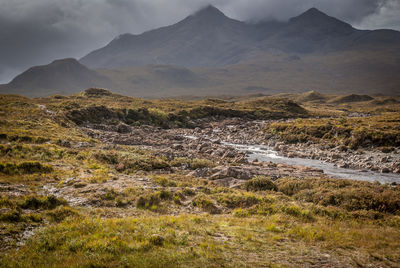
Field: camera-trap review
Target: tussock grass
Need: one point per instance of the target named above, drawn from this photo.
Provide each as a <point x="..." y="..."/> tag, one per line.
<point x="24" y="168"/>
<point x="260" y="184"/>
<point x="372" y="131"/>
<point x="185" y="240"/>
<point x="350" y="195"/>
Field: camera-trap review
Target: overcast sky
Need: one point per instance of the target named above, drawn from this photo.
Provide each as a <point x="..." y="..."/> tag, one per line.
<point x="34" y="32"/>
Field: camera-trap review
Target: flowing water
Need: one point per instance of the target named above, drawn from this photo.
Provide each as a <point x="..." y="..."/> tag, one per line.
<point x="266" y="154"/>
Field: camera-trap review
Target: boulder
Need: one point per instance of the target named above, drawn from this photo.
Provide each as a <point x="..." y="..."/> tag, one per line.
<point x="233" y="172"/>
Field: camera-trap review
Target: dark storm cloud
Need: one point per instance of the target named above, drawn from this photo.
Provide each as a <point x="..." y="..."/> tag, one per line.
<point x="37" y="31"/>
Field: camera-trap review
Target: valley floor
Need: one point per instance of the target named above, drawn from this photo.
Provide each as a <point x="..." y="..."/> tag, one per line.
<point x="100" y="180"/>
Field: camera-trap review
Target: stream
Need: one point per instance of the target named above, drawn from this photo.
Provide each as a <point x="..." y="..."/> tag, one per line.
<point x="266" y="154"/>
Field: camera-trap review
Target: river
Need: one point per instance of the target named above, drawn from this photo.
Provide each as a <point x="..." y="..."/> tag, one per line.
<point x="266" y="154"/>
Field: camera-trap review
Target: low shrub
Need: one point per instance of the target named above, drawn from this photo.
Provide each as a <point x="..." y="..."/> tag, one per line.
<point x="15" y="215"/>
<point x="38" y="202"/>
<point x="24" y="168"/>
<point x="147" y="201"/>
<point x="164" y="182"/>
<point x="236" y="200"/>
<point x="204" y="202"/>
<point x="61" y="213"/>
<point x="143" y="163"/>
<point x="260" y="184"/>
<point x="297" y="212"/>
<point x="109" y="158"/>
<point x="153" y="200"/>
<point x="200" y="163"/>
<point x="11" y="216"/>
<point x="189" y="192"/>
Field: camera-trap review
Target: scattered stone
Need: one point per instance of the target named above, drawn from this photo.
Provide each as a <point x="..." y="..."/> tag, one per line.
<point x="65" y="143"/>
<point x="82" y="145"/>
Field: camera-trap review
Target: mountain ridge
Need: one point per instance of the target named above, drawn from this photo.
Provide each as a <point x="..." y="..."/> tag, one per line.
<point x="209" y="53"/>
<point x="206" y="38"/>
<point x="209" y="38"/>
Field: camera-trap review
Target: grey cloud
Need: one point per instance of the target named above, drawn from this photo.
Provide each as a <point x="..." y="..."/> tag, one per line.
<point x="39" y="31"/>
<point x="387" y="15"/>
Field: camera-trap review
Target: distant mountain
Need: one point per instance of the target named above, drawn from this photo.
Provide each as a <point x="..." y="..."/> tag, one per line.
<point x="61" y="76"/>
<point x="315" y="31"/>
<point x="208" y="53"/>
<point x="209" y="38"/>
<point x="206" y="38"/>
<point x="311" y="31"/>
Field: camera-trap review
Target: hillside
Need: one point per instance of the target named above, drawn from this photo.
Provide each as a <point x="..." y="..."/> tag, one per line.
<point x="206" y="38"/>
<point x="66" y="76"/>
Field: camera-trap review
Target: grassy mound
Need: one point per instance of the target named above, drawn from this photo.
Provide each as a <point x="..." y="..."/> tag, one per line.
<point x="351" y="98"/>
<point x="311" y="96"/>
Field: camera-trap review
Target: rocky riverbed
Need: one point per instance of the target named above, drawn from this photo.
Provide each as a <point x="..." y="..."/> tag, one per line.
<point x="209" y="141"/>
<point x="252" y="132"/>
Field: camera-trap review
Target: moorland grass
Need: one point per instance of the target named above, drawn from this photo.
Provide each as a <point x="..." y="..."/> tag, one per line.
<point x="265" y="223"/>
<point x="353" y="133"/>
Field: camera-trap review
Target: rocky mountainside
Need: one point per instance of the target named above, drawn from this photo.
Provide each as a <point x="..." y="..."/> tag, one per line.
<point x="206" y="38"/>
<point x="209" y="38"/>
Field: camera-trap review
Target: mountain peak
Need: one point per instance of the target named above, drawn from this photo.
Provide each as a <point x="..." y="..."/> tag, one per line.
<point x="312" y="14"/>
<point x="314" y="11"/>
<point x="67" y="61"/>
<point x="316" y="18"/>
<point x="209" y="11"/>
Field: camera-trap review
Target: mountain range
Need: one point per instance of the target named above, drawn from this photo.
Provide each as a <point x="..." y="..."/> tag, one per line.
<point x="209" y="53"/>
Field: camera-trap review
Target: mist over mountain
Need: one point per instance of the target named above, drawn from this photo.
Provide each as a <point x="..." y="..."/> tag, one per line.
<point x="208" y="53"/>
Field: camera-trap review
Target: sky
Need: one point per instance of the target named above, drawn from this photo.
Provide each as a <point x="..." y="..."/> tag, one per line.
<point x="35" y="32"/>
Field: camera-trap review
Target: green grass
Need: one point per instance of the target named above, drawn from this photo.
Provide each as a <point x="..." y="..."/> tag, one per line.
<point x="199" y="241"/>
<point x="260" y="184"/>
<point x="372" y="131"/>
<point x="349" y="195"/>
<point x="24" y="168"/>
<point x="171" y="219"/>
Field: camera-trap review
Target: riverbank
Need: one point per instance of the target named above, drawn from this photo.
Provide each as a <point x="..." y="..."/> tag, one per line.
<point x="237" y="131"/>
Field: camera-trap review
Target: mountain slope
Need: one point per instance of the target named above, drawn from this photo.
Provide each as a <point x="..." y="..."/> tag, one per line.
<point x="61" y="76"/>
<point x="208" y="53"/>
<point x="207" y="38"/>
<point x="311" y="31"/>
<point x="338" y="72"/>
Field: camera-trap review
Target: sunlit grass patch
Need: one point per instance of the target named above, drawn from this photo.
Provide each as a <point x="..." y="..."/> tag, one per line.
<point x="347" y="194"/>
<point x="372" y="131"/>
<point x="195" y="241"/>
